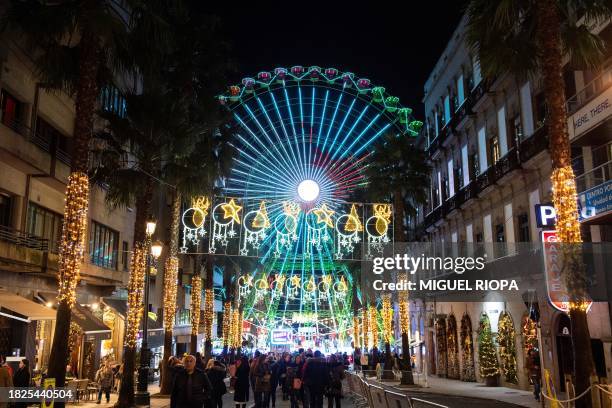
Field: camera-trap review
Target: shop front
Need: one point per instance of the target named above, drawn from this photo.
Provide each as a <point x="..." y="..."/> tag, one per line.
<point x="87" y="342"/>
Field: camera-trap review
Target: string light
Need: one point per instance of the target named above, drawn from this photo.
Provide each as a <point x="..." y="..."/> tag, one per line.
<point x="227" y="310"/>
<point x="170" y="279"/>
<point x="196" y="303"/>
<point x="507" y="348"/>
<point x="135" y="293"/>
<point x="208" y="313"/>
<point x="365" y="328"/>
<point x="387" y="318"/>
<point x="238" y="325"/>
<point x="566" y="204"/>
<point x="373" y="326"/>
<point x="356" y="339"/>
<point x="72" y="243"/>
<point x="404" y="315"/>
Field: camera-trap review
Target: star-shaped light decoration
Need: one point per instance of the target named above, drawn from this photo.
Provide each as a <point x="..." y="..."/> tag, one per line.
<point x="231" y="210"/>
<point x="324" y="215"/>
<point x="295" y="281"/>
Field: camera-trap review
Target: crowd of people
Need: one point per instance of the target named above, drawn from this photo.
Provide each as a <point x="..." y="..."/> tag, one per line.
<point x="304" y="378"/>
<point x="22" y="377"/>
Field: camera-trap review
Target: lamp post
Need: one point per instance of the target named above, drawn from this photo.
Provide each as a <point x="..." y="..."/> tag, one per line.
<point x="142" y="396"/>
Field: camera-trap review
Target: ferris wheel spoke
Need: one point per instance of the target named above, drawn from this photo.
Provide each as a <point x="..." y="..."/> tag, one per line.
<point x="333" y="146"/>
<point x="295" y="136"/>
<point x="287" y="137"/>
<point x="331" y="125"/>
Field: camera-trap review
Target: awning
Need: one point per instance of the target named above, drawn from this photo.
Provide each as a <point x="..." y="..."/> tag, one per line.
<point x="25" y="307"/>
<point x="89" y="323"/>
<point x="120" y="307"/>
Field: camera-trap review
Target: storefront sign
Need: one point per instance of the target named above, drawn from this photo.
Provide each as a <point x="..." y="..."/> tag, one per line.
<point x="546" y="215"/>
<point x="556" y="288"/>
<point x="597" y="200"/>
<point x="591" y="114"/>
<point x="281" y="336"/>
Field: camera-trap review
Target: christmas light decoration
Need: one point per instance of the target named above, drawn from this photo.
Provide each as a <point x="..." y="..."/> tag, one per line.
<point x="441" y="351"/>
<point x="451" y="347"/>
<point x="530" y="335"/>
<point x="193" y="221"/>
<point x="377" y="229"/>
<point x="72" y="242"/>
<point x="468" y="373"/>
<point x="387" y="318"/>
<point x="356" y="338"/>
<point x="507" y="347"/>
<point x="170" y="289"/>
<point x="135" y="291"/>
<point x="209" y="297"/>
<point x="373" y="326"/>
<point x="303" y="139"/>
<point x="196" y="303"/>
<point x="226" y="332"/>
<point x="365" y="319"/>
<point x="565" y="201"/>
<point x="404" y="316"/>
<point x="487" y="356"/>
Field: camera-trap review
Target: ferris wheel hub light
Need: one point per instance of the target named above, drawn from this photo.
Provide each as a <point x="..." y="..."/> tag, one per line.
<point x="308" y="190"/>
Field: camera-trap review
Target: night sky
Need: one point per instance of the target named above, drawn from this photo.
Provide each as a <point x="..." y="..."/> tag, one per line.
<point x="393" y="47"/>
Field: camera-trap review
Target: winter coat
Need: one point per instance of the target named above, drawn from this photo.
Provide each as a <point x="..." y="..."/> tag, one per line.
<point x="241" y="386"/>
<point x="315" y="374"/>
<point x="104" y="378"/>
<point x="22" y="378"/>
<point x="190" y="397"/>
<point x="216" y="374"/>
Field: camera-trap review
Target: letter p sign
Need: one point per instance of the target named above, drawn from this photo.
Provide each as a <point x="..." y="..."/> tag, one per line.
<point x="545" y="215"/>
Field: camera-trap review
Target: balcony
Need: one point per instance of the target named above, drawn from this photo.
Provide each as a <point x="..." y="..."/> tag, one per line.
<point x="23" y="239"/>
<point x="485" y="179"/>
<point x="506" y="164"/>
<point x="590" y="107"/>
<point x="467" y="193"/>
<point x="21" y="252"/>
<point x="531" y="146"/>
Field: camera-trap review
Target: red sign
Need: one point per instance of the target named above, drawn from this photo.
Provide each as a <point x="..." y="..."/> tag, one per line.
<point x="556" y="288"/>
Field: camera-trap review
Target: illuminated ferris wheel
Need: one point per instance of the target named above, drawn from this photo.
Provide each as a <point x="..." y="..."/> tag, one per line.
<point x="303" y="136"/>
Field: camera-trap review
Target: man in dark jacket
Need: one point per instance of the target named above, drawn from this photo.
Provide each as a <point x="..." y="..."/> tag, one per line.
<point x="191" y="387"/>
<point x="316" y="379"/>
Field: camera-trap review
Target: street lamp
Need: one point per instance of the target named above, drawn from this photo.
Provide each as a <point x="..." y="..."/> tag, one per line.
<point x="142" y="396"/>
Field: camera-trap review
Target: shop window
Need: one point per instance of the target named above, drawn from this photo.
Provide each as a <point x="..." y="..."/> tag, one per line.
<point x="45" y="224"/>
<point x="523" y="227"/>
<point x="5" y="210"/>
<point x="103" y="246"/>
<point x="13" y="111"/>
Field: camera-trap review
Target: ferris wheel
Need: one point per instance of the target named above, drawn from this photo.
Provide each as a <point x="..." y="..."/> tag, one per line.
<point x="303" y="138"/>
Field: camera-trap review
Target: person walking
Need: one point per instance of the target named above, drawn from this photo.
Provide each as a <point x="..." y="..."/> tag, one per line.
<point x="275" y="368"/>
<point x="216" y="374"/>
<point x="22" y="378"/>
<point x="336" y="375"/>
<point x="104" y="378"/>
<point x="241" y="382"/>
<point x="191" y="388"/>
<point x="315" y="379"/>
<point x="6" y="379"/>
<point x="262" y="376"/>
<point x="535" y="372"/>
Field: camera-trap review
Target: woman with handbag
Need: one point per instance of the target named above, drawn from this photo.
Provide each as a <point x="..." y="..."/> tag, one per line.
<point x="263" y="377"/>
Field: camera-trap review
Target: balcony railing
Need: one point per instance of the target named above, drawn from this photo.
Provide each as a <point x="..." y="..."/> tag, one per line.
<point x="594" y="177"/>
<point x="506" y="164"/>
<point x="590" y="90"/>
<point x="24" y="239"/>
<point x="533" y="144"/>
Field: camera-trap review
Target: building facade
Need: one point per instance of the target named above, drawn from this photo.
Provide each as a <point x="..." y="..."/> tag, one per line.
<point x="487" y="144"/>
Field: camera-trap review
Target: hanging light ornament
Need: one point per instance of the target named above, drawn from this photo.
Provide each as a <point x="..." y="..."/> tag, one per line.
<point x="348" y="228"/>
<point x="72" y="243"/>
<point x="256" y="225"/>
<point x="193" y="221"/>
<point x="377" y="229"/>
<point x="225" y="228"/>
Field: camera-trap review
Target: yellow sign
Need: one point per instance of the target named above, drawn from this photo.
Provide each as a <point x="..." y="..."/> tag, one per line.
<point x="550" y="389"/>
<point x="48" y="384"/>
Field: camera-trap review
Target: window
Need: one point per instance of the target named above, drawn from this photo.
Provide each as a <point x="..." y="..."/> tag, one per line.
<point x="112" y="101"/>
<point x="499" y="233"/>
<point x="103" y="246"/>
<point x="540" y="107"/>
<point x="5" y="210"/>
<point x="12" y="112"/>
<point x="516" y="130"/>
<point x="479" y="237"/>
<point x="52" y="140"/>
<point x="125" y="255"/>
<point x="523" y="227"/>
<point x="495" y="151"/>
<point x="45" y="224"/>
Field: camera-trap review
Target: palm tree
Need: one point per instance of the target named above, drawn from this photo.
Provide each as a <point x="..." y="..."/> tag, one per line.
<point x="73" y="43"/>
<point x="527" y="38"/>
<point x="398" y="171"/>
<point x="130" y="157"/>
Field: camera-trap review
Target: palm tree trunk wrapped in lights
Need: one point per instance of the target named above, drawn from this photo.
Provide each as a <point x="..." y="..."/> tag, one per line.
<point x="365" y="326"/>
<point x="196" y="304"/>
<point x="134" y="314"/>
<point x="387" y="324"/>
<point x="170" y="291"/>
<point x="373" y="327"/>
<point x="227" y="313"/>
<point x="237" y="328"/>
<point x="404" y="324"/>
<point x="209" y="298"/>
<point x="356" y="338"/>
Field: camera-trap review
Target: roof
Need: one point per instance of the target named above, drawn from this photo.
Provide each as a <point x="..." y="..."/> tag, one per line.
<point x="25" y="307"/>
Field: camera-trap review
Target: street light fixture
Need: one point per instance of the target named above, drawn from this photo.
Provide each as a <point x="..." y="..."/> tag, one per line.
<point x="142" y="396"/>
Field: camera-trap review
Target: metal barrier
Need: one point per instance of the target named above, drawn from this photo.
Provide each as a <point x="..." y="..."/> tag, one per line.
<point x="365" y="394"/>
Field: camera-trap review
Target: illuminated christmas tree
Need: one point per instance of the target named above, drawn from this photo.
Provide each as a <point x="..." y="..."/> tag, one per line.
<point x="487" y="356"/>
